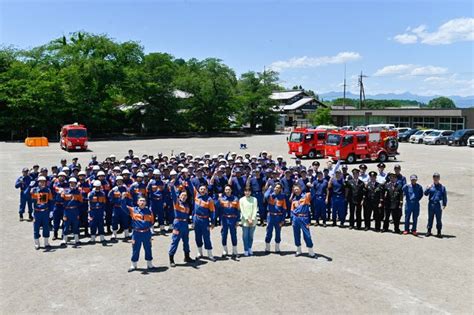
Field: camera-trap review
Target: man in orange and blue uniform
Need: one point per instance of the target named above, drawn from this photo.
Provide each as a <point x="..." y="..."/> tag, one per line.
<point x="180" y="224"/>
<point x="85" y="187"/>
<point x="203" y="218"/>
<point x="142" y="222"/>
<point x="97" y="201"/>
<point x="230" y="215"/>
<point x="300" y="212"/>
<point x="72" y="200"/>
<point x="277" y="209"/>
<point x="42" y="199"/>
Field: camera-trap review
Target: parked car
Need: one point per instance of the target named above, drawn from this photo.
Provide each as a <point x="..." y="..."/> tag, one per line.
<point x="402" y="129"/>
<point x="405" y="136"/>
<point x="460" y="137"/>
<point x="418" y="136"/>
<point x="438" y="137"/>
<point x="471" y="141"/>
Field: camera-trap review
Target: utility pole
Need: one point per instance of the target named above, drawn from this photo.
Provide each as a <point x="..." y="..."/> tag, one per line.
<point x="344" y="97"/>
<point x="361" y="90"/>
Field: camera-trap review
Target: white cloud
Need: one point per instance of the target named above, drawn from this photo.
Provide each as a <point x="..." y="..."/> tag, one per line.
<point x="311" y="62"/>
<point x="455" y="30"/>
<point x="449" y="85"/>
<point x="410" y="70"/>
<point x="406" y="38"/>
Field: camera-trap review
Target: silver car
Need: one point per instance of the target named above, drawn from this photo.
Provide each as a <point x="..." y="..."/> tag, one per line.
<point x="438" y="137"/>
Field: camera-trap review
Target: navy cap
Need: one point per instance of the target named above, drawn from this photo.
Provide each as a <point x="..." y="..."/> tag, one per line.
<point x="413" y="177"/>
<point x="373" y="174"/>
<point x="381" y="165"/>
<point x="436" y="174"/>
<point x="25" y="169"/>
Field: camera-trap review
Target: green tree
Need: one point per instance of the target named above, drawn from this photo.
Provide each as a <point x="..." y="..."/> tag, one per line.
<point x="212" y="85"/>
<point x="441" y="102"/>
<point x="254" y="107"/>
<point x="322" y="116"/>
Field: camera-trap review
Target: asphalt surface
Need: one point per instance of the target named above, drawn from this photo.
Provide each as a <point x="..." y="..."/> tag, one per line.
<point x="355" y="271"/>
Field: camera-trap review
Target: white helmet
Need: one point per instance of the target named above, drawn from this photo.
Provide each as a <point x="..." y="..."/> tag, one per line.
<point x="125" y="171"/>
<point x="96" y="168"/>
<point x="119" y="178"/>
<point x="184" y="170"/>
<point x="62" y="174"/>
<point x="128" y="161"/>
<point x="147" y="161"/>
<point x="140" y="174"/>
<point x="82" y="173"/>
<point x="97" y="183"/>
<point x="101" y="173"/>
<point x="173" y="172"/>
<point x="72" y="180"/>
<point x="112" y="156"/>
<point x="41" y="178"/>
<point x="156" y="172"/>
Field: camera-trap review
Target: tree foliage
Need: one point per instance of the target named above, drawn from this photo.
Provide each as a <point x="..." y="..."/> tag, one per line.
<point x="441" y="102"/>
<point x="322" y="116"/>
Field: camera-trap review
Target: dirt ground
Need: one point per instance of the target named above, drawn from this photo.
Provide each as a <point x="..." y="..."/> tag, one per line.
<point x="355" y="271"/>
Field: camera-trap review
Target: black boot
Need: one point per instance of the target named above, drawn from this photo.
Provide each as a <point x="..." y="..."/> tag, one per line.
<point x="30" y="217"/>
<point x="172" y="263"/>
<point x="188" y="259"/>
<point x="109" y="230"/>
<point x="428" y="234"/>
<point x="55" y="235"/>
<point x="439" y="234"/>
<point x="21" y="216"/>
<point x="86" y="232"/>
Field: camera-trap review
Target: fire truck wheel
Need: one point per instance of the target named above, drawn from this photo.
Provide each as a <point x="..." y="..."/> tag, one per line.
<point x="382" y="157"/>
<point x="351" y="158"/>
<point x="312" y="154"/>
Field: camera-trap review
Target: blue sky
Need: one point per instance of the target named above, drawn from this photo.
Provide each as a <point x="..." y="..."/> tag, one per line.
<point x="424" y="47"/>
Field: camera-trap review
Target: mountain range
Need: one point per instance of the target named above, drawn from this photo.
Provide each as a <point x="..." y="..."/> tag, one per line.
<point x="460" y="101"/>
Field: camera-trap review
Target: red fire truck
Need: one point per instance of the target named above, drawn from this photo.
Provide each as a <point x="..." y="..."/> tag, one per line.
<point x="351" y="146"/>
<point x="308" y="142"/>
<point x="73" y="137"/>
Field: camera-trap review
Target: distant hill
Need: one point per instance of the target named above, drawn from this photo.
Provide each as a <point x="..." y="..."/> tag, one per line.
<point x="460" y="101"/>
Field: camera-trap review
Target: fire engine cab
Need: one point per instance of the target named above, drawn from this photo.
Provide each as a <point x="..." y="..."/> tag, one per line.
<point x="73" y="137"/>
<point x="351" y="146"/>
<point x="308" y="142"/>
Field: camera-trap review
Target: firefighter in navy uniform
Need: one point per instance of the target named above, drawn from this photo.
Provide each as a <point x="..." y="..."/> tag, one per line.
<point x="393" y="201"/>
<point x="355" y="190"/>
<point x="373" y="201"/>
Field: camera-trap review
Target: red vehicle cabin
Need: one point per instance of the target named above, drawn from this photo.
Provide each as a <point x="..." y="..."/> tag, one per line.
<point x="73" y="137"/>
<point x="307" y="142"/>
<point x="351" y="146"/>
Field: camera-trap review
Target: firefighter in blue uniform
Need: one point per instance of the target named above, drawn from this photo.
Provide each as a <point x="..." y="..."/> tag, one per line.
<point x="413" y="193"/>
<point x="437" y="201"/>
<point x="180" y="224"/>
<point x="97" y="201"/>
<point x="118" y="216"/>
<point x="58" y="186"/>
<point x="85" y="187"/>
<point x="216" y="186"/>
<point x="277" y="209"/>
<point x="42" y="199"/>
<point x="203" y="220"/>
<point x="72" y="200"/>
<point x="157" y="191"/>
<point x="23" y="183"/>
<point x="336" y="188"/>
<point x="318" y="198"/>
<point x="256" y="183"/>
<point x="230" y="211"/>
<point x="142" y="222"/>
<point x="300" y="212"/>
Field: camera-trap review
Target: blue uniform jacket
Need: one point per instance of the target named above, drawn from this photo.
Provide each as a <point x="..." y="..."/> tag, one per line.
<point x="42" y="199"/>
<point x="413" y="194"/>
<point x="437" y="194"/>
<point x="300" y="205"/>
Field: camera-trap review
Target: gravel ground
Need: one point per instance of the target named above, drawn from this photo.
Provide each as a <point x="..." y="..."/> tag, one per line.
<point x="355" y="271"/>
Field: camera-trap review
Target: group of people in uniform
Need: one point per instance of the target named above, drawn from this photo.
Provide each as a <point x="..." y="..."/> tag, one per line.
<point x="142" y="196"/>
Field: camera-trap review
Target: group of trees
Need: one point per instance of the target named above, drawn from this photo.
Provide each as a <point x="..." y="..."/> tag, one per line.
<point x="86" y="78"/>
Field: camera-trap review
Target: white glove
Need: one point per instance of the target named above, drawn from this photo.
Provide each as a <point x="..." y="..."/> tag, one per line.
<point x="115" y="188"/>
<point x="51" y="214"/>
